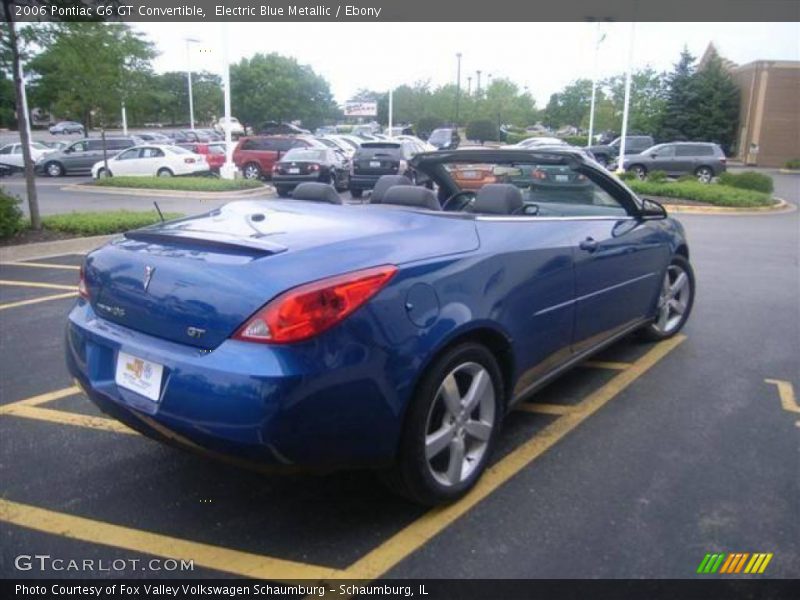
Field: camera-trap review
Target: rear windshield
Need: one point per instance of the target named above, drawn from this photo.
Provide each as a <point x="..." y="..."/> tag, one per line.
<point x="302" y="154"/>
<point x="440" y="135"/>
<point x="370" y="149"/>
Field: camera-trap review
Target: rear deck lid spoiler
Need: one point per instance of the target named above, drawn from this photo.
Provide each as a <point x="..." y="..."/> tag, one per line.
<point x="207" y="239"/>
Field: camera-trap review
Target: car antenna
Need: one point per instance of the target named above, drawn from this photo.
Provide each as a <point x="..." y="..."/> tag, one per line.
<point x="160" y="215"/>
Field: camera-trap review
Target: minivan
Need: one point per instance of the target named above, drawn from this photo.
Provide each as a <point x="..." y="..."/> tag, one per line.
<point x="80" y="156"/>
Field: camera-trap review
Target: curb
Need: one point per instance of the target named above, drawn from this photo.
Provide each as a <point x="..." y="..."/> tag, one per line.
<point x="782" y="206"/>
<point x="789" y="171"/>
<point x="83" y="187"/>
<point x="56" y="248"/>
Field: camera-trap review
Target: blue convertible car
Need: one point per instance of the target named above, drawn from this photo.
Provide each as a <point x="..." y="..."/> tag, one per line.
<point x="393" y="334"/>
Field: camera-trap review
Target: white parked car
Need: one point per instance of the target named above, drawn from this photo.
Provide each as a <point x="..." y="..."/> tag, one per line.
<point x="11" y="154"/>
<point x="237" y="128"/>
<point x="150" y="159"/>
<point x="336" y="143"/>
<point x="535" y="142"/>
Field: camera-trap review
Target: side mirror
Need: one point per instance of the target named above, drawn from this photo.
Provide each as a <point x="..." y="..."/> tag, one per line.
<point x="652" y="210"/>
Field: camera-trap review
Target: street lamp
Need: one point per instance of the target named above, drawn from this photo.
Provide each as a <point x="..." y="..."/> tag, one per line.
<point x="626" y="106"/>
<point x="479" y="83"/>
<point x="598" y="40"/>
<point x="458" y="83"/>
<point x="469" y="85"/>
<point x="190" y="40"/>
<point x="227" y="170"/>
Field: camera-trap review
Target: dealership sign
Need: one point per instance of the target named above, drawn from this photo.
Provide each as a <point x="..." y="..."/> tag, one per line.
<point x="361" y="109"/>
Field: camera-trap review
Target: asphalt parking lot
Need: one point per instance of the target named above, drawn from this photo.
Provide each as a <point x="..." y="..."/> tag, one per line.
<point x="633" y="465"/>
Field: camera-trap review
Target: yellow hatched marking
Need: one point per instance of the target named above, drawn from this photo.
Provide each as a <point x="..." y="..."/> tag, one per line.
<point x="37" y="300"/>
<point x="240" y="563"/>
<point x="764" y="564"/>
<point x="378" y="561"/>
<point x="37" y="284"/>
<point x="40" y="399"/>
<point x="63" y="417"/>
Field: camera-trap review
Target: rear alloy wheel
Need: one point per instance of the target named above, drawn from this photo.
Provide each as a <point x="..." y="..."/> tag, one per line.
<point x="165" y="173"/>
<point x="54" y="169"/>
<point x="675" y="301"/>
<point x="251" y="171"/>
<point x="450" y="428"/>
<point x="704" y="174"/>
<point x="639" y="171"/>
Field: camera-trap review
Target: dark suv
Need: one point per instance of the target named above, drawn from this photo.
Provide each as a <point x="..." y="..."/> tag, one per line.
<point x="701" y="159"/>
<point x="80" y="156"/>
<point x="374" y="159"/>
<point x="634" y="144"/>
<point x="256" y="156"/>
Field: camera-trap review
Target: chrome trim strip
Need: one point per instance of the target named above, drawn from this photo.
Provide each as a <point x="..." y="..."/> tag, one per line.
<point x="596" y="293"/>
<point x="505" y="218"/>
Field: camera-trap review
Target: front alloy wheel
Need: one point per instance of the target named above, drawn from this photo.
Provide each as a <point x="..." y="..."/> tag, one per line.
<point x="675" y="301"/>
<point x="704" y="175"/>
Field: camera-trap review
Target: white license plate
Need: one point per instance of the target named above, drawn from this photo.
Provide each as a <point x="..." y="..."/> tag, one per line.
<point x="139" y="375"/>
<point x="294" y="171"/>
<point x="375" y="164"/>
<point x="562" y="178"/>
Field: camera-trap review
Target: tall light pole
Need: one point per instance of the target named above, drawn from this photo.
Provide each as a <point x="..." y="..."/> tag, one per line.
<point x="469" y="85"/>
<point x="458" y="83"/>
<point x="626" y="106"/>
<point x="391" y="111"/>
<point x="189" y="41"/>
<point x="478" y="90"/>
<point x="227" y="170"/>
<point x="598" y="40"/>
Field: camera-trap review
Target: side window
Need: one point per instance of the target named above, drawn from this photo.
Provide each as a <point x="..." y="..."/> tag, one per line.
<point x="129" y="154"/>
<point x="666" y="151"/>
<point x="704" y="151"/>
<point x="248" y="145"/>
<point x="79" y="146"/>
<point x="151" y="153"/>
<point x="97" y="145"/>
<point x="266" y="145"/>
<point x="5" y="150"/>
<point x="17" y="149"/>
<point x="560" y="190"/>
<point x="686" y="150"/>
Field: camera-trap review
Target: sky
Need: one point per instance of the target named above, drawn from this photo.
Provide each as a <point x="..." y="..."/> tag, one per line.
<point x="542" y="56"/>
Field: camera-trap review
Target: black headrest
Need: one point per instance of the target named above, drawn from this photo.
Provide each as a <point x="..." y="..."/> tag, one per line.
<point x="316" y="192"/>
<point x="384" y="183"/>
<point x="411" y="195"/>
<point x="498" y="199"/>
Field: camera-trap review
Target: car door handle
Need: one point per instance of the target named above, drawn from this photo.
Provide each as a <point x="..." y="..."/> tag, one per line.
<point x="589" y="244"/>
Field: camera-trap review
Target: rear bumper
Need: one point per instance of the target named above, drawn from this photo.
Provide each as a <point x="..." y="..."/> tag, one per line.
<point x="365" y="182"/>
<point x="290" y="181"/>
<point x="316" y="405"/>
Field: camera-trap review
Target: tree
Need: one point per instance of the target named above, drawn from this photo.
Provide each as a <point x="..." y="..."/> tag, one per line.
<point x="87" y="70"/>
<point x="571" y="105"/>
<point x="715" y="112"/>
<point x="271" y="87"/>
<point x="676" y="119"/>
<point x="482" y="130"/>
<point x="647" y="102"/>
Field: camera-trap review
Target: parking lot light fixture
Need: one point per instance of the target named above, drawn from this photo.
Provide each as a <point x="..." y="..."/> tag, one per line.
<point x="626" y="106"/>
<point x="189" y="41"/>
<point x="458" y="83"/>
<point x="228" y="169"/>
<point x="598" y="40"/>
<point x="391" y="111"/>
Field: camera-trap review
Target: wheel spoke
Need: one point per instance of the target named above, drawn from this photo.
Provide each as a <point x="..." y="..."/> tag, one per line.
<point x="478" y="429"/>
<point x="477" y="390"/>
<point x="678" y="306"/>
<point x="680" y="283"/>
<point x="439" y="440"/>
<point x="663" y="317"/>
<point x="456" y="464"/>
<point x="451" y="395"/>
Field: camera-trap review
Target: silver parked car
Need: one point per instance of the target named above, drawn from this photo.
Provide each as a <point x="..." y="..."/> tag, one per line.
<point x="704" y="160"/>
<point x="66" y="127"/>
<point x="79" y="156"/>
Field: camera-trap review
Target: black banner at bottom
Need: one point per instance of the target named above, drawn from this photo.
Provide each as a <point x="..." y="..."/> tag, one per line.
<point x="430" y="589"/>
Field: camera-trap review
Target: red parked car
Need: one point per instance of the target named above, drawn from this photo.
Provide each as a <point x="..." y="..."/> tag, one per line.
<point x="256" y="156"/>
<point x="214" y="153"/>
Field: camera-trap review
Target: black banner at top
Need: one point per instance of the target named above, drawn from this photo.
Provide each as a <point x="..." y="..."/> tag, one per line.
<point x="405" y="10"/>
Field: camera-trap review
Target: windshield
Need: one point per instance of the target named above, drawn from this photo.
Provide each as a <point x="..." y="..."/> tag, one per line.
<point x="303" y="154"/>
<point x="440" y="135"/>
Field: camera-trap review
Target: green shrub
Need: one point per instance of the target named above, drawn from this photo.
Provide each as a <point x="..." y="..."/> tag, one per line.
<point x="628" y="176"/>
<point x="11" y="218"/>
<point x="715" y="193"/>
<point x="748" y="180"/>
<point x="575" y="140"/>
<point x="425" y="126"/>
<point x="188" y="184"/>
<point x="482" y="130"/>
<point x="101" y="223"/>
<point x="686" y="177"/>
<point x="657" y="176"/>
<point x="793" y="164"/>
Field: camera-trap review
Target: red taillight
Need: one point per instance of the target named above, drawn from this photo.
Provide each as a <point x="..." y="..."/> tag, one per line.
<point x="83" y="289"/>
<point x="313" y="167"/>
<point x="310" y="309"/>
<point x="539" y="174"/>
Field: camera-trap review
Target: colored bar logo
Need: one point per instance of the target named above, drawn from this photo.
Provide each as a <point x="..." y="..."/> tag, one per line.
<point x="732" y="563"/>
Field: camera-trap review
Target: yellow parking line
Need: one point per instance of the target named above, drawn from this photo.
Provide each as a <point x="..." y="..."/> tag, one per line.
<point x="240" y="563"/>
<point x="40" y="399"/>
<point x="545" y="409"/>
<point x="40" y="265"/>
<point x="786" y="393"/>
<point x="36" y="284"/>
<point x="37" y="300"/>
<point x="63" y="417"/>
<point x="606" y="364"/>
<point x="377" y="562"/>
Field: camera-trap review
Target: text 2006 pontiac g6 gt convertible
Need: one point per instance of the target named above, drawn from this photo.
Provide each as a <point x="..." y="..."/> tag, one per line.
<point x="394" y="334"/>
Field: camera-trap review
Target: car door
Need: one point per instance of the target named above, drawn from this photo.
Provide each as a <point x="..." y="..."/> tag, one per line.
<point x="618" y="257"/>
<point x="127" y="163"/>
<point x="93" y="154"/>
<point x="6" y="156"/>
<point x="685" y="158"/>
<point x="663" y="159"/>
<point x="150" y="160"/>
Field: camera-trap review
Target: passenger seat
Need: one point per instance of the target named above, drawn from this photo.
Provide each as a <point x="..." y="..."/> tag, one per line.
<point x="411" y="195"/>
<point x="313" y="191"/>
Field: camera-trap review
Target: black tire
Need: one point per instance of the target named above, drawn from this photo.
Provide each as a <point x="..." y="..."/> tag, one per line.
<point x="640" y="171"/>
<point x="651" y="332"/>
<point x="601" y="159"/>
<point x="283" y="191"/>
<point x="343" y="183"/>
<point x="704" y="174"/>
<point x="164" y="172"/>
<point x="54" y="169"/>
<point x="251" y="171"/>
<point x="411" y="476"/>
<point x="356" y="193"/>
<point x="103" y="173"/>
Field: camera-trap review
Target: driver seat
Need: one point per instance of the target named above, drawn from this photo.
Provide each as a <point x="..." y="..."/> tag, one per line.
<point x="383" y="184"/>
<point x="498" y="199"/>
<point x="412" y="195"/>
